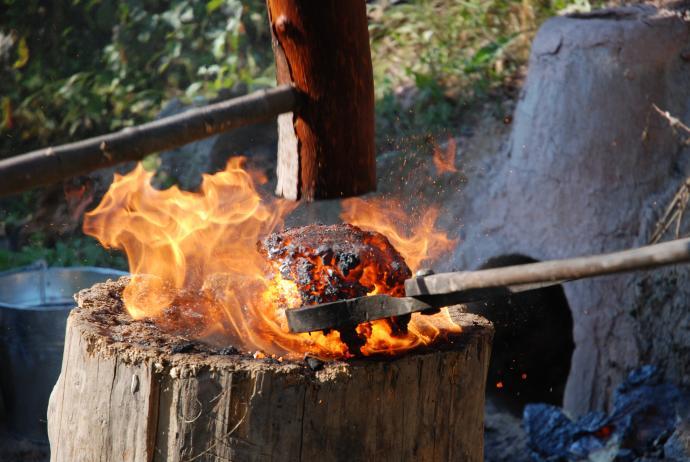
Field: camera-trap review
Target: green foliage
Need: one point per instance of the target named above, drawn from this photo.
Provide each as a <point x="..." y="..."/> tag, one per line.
<point x="76" y="251"/>
<point x="70" y="250"/>
<point x="432" y="58"/>
<point x="75" y="68"/>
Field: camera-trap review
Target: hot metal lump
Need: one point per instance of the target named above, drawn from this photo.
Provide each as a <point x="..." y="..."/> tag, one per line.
<point x="336" y="262"/>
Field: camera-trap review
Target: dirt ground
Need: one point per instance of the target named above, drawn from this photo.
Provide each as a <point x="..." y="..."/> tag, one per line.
<point x="13" y="449"/>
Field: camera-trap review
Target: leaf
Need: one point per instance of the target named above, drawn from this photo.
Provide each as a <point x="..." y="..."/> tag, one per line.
<point x="213" y="5"/>
<point x="7" y="119"/>
<point x="23" y="51"/>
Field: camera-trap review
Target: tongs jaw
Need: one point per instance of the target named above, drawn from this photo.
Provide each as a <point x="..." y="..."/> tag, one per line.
<point x="423" y="300"/>
<point x="352" y="312"/>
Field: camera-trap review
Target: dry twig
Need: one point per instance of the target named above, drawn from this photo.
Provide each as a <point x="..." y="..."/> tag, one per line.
<point x="674" y="213"/>
<point x="674" y="122"/>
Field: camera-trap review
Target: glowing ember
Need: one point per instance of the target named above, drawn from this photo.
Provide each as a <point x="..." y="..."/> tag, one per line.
<point x="197" y="270"/>
<point x="330" y="263"/>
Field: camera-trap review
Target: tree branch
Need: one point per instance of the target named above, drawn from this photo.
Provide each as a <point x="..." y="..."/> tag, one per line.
<point x="674" y="122"/>
<point x="49" y="165"/>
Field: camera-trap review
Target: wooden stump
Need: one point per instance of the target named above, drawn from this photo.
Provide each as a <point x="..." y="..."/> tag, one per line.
<point x="124" y="395"/>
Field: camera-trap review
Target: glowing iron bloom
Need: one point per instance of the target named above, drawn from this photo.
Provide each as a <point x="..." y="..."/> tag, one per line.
<point x="197" y="269"/>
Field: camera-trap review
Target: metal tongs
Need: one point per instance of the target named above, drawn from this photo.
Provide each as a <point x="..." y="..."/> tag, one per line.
<point x="427" y="292"/>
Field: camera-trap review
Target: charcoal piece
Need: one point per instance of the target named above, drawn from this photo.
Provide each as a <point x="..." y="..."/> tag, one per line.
<point x="347" y="262"/>
<point x="326" y="254"/>
<point x="305" y="269"/>
<point x="185" y="347"/>
<point x="228" y="350"/>
<point x="644" y="418"/>
<point x="549" y="430"/>
<point x="314" y="364"/>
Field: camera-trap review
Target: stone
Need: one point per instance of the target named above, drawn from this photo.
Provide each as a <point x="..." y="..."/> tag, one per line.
<point x="645" y="413"/>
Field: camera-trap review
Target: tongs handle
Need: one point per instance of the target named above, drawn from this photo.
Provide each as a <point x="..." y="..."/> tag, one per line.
<point x="546" y="273"/>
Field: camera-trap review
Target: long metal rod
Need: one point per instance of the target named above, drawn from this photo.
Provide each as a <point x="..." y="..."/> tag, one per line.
<point x="49" y="165"/>
<point x="646" y="257"/>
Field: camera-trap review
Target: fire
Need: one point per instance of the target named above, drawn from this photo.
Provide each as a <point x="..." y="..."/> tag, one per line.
<point x="422" y="244"/>
<point x="445" y="161"/>
<point x="197" y="269"/>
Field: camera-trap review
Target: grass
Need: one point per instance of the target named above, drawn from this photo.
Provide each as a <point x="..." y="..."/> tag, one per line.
<point x="435" y="59"/>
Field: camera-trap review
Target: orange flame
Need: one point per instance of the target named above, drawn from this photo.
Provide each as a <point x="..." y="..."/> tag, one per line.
<point x="196" y="267"/>
<point x="421" y="244"/>
<point x="445" y="161"/>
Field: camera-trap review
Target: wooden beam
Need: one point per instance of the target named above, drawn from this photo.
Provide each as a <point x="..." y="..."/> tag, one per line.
<point x="326" y="148"/>
<point x="49" y="165"/>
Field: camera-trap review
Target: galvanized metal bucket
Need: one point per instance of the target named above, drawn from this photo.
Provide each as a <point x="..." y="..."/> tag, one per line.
<point x="34" y="304"/>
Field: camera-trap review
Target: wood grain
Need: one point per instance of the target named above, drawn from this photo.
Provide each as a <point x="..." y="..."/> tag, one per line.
<point x="323" y="49"/>
<point x="122" y="402"/>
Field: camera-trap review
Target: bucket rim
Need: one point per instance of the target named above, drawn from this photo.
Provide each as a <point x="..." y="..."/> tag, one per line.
<point x="55" y="304"/>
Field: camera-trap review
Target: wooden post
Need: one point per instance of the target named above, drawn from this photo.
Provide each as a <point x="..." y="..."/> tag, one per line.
<point x="326" y="148"/>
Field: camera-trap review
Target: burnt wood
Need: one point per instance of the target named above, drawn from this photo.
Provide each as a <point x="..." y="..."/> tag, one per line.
<point x="326" y="148"/>
<point x="49" y="165"/>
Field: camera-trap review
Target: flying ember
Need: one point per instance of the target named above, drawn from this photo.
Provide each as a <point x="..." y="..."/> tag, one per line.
<point x="197" y="269"/>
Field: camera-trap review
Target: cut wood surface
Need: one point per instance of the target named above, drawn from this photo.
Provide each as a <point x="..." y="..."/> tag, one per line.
<point x="121" y="400"/>
<point x="49" y="165"/>
<point x="326" y="148"/>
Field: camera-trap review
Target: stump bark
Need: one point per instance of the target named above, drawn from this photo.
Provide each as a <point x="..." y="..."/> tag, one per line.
<point x="123" y="395"/>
